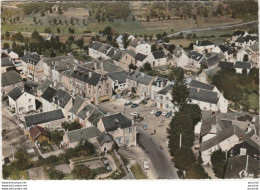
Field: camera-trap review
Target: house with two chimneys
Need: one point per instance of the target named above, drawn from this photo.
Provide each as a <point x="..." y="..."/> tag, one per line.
<point x="250" y="53"/>
<point x="225" y="50"/>
<point x="139" y="83"/>
<point x="32" y="66"/>
<point x="92" y="85"/>
<point x="204" y="46"/>
<point x="207" y="97"/>
<point x="180" y="57"/>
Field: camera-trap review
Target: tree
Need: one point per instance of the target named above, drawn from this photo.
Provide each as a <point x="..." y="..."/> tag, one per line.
<point x="35" y="35"/>
<point x="6" y="46"/>
<point x="7" y="34"/>
<point x="132" y="67"/>
<point x="153" y="48"/>
<point x="71" y="126"/>
<point x="22" y="160"/>
<point x="147" y="66"/>
<point x="83" y="172"/>
<point x="125" y="40"/>
<point x="107" y="31"/>
<point x="58" y="30"/>
<point x="148" y="18"/>
<point x="47" y="30"/>
<point x="133" y="18"/>
<point x="218" y="160"/>
<point x="55" y="174"/>
<point x="60" y="10"/>
<point x="56" y="137"/>
<point x="80" y="42"/>
<point x="53" y="54"/>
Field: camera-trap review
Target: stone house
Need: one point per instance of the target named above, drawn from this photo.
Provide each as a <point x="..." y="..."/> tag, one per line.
<point x="140" y="82"/>
<point x="120" y="128"/>
<point x="39" y="134"/>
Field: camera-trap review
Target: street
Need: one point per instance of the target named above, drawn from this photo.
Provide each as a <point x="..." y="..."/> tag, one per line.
<point x="12" y="134"/>
<point x="154" y="145"/>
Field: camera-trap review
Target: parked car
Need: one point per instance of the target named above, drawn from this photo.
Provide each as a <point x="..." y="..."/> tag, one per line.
<point x="134" y="113"/>
<point x="152" y="112"/>
<point x="145" y="127"/>
<point x="134" y="105"/>
<point x="164" y="113"/>
<point x="146" y="165"/>
<point x="128" y="103"/>
<point x="169" y="114"/>
<point x="158" y="113"/>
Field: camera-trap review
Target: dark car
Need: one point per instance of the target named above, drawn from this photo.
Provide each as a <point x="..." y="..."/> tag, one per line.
<point x="134" y="105"/>
<point x="158" y="113"/>
<point x="128" y="103"/>
<point x="169" y="114"/>
<point x="145" y="127"/>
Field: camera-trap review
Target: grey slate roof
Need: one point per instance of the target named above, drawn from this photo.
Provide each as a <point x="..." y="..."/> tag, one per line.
<point x="130" y="52"/>
<point x="51" y="61"/>
<point x="140" y="77"/>
<point x="48" y="94"/>
<point x="61" y="98"/>
<point x="96" y="45"/>
<point x="88" y="108"/>
<point x="203" y="95"/>
<point x="252" y="149"/>
<point x="44" y="85"/>
<point x="166" y="89"/>
<point x="6" y="62"/>
<point x="82" y="74"/>
<point x="214" y="60"/>
<point x="10" y="77"/>
<point x="226" y="65"/>
<point x="82" y="134"/>
<point x="159" y="54"/>
<point x="119" y="76"/>
<point x="103" y="138"/>
<point x="195" y="55"/>
<point x="238" y="163"/>
<point x="44" y="117"/>
<point x="254" y="47"/>
<point x="223" y="135"/>
<point x="242" y="65"/>
<point x="95" y="116"/>
<point x="76" y="104"/>
<point x="115" y="121"/>
<point x="15" y="93"/>
<point x="198" y="84"/>
<point x="31" y="57"/>
<point x="140" y="57"/>
<point x="238" y="33"/>
<point x="206" y="125"/>
<point x="160" y="80"/>
<point x="134" y="42"/>
<point x="204" y="43"/>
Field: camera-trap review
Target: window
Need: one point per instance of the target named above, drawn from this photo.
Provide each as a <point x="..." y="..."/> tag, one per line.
<point x="107" y="90"/>
<point x="21" y="109"/>
<point x="130" y="130"/>
<point x="30" y="100"/>
<point x="30" y="107"/>
<point x="167" y="98"/>
<point x="161" y="97"/>
<point x="167" y="106"/>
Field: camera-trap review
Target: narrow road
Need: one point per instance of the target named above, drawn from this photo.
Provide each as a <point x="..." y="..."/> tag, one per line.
<point x="159" y="159"/>
<point x="212" y="28"/>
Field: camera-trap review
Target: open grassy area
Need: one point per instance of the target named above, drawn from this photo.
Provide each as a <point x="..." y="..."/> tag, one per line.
<point x="253" y="100"/>
<point x="138" y="172"/>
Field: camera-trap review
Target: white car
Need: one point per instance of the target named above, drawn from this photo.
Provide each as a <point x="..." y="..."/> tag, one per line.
<point x="134" y="113"/>
<point x="164" y="113"/>
<point x="146" y="165"/>
<point x="152" y="112"/>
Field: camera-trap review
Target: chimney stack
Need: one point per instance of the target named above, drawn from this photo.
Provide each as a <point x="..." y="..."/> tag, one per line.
<point x="90" y="74"/>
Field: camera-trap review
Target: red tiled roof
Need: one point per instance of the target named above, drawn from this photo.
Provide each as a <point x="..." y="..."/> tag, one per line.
<point x="36" y="131"/>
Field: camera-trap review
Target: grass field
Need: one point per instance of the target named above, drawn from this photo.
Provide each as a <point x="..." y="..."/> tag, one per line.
<point x="138" y="172"/>
<point x="253" y="101"/>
